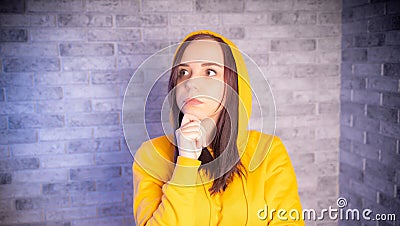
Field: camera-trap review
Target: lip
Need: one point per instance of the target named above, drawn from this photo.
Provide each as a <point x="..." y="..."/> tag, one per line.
<point x="192" y="101"/>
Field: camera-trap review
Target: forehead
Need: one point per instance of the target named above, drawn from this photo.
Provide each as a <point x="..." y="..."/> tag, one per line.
<point x="203" y="50"/>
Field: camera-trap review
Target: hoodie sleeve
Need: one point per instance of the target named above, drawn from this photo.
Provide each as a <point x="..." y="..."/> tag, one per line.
<point x="281" y="187"/>
<point x="171" y="203"/>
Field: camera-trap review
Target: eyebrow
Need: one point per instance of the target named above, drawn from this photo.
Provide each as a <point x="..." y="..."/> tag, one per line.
<point x="203" y="65"/>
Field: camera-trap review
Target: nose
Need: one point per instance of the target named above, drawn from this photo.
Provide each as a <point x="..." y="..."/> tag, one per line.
<point x="193" y="81"/>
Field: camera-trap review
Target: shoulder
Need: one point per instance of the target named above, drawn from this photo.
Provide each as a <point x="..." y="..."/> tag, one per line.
<point x="155" y="156"/>
<point x="262" y="148"/>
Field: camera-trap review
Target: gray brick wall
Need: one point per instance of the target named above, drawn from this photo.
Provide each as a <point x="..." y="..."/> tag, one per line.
<point x="65" y="66"/>
<point x="370" y="109"/>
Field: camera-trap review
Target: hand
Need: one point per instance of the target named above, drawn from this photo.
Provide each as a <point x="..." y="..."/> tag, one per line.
<point x="190" y="137"/>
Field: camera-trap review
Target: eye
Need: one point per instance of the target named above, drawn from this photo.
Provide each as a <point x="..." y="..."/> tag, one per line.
<point x="211" y="72"/>
<point x="183" y="72"/>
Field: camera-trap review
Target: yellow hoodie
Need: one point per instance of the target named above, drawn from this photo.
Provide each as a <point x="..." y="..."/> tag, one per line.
<point x="161" y="197"/>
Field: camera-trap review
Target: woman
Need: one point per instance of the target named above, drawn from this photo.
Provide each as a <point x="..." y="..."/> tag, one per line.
<point x="213" y="171"/>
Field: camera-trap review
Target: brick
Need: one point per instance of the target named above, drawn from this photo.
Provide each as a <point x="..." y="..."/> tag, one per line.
<point x="68" y="188"/>
<point x="366" y="97"/>
<point x="112" y="210"/>
<point x="308" y="96"/>
<point x="127" y="20"/>
<point x="329" y="18"/>
<point x="105" y="221"/>
<point x="13" y="35"/>
<point x="329" y="43"/>
<point x="219" y="6"/>
<point x="5" y="178"/>
<point x="59" y="34"/>
<point x="328" y="185"/>
<point x="365" y="123"/>
<point x="81" y="212"/>
<point x="20" y="217"/>
<point x="316" y="70"/>
<point x="355" y="27"/>
<point x="317" y="5"/>
<point x="293" y="45"/>
<point x="25" y="64"/>
<point x="93" y="91"/>
<point x="388" y="201"/>
<point x="345" y="94"/>
<point x="21" y="190"/>
<point x="12" y="6"/>
<point x="368" y="11"/>
<point x="16" y="79"/>
<point x="151" y="20"/>
<point x="190" y="19"/>
<point x="41" y="202"/>
<point x="130" y="61"/>
<point x="381" y="141"/>
<point x="389" y="54"/>
<point x="391" y="100"/>
<point x="390" y="129"/>
<point x="112" y="6"/>
<point x="367" y="193"/>
<point x="22" y="49"/>
<point x="378" y="169"/>
<point x="113" y="158"/>
<point x="154" y="33"/>
<point x="70" y="160"/>
<point x="367" y="69"/>
<point x="245" y="18"/>
<point x="19" y="164"/>
<point x="40" y="175"/>
<point x="84" y="20"/>
<point x="297" y="17"/>
<point x="39" y="20"/>
<point x="106" y="105"/>
<point x="328" y="108"/>
<point x="367" y="40"/>
<point x="391" y="70"/>
<point x="329" y="57"/>
<point x="17" y="136"/>
<point x="108" y="132"/>
<point x="122" y="76"/>
<point x="39" y="93"/>
<point x="95" y="173"/>
<point x="77" y="49"/>
<point x="88" y="63"/>
<point x="254" y="5"/>
<point x="287" y="58"/>
<point x="23" y="121"/>
<point x="354" y="55"/>
<point x="61" y="78"/>
<point x="54" y="6"/>
<point x="167" y="6"/>
<point x="351" y="172"/>
<point x="148" y="47"/>
<point x="382" y="113"/>
<point x="4" y="152"/>
<point x="120" y="34"/>
<point x="36" y="149"/>
<point x="96" y="198"/>
<point x="64" y="133"/>
<point x="392" y="38"/>
<point x="63" y="106"/>
<point x="352" y="134"/>
<point x="384" y="23"/>
<point x="382" y="84"/>
<point x="98" y="145"/>
<point x="358" y="83"/>
<point x="92" y="119"/>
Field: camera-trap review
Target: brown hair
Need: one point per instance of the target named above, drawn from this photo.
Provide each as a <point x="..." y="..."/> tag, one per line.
<point x="226" y="126"/>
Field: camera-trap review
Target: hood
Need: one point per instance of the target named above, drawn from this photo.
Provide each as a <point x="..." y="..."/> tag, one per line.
<point x="244" y="89"/>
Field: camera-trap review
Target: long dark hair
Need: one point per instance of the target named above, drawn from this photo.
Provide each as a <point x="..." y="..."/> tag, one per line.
<point x="226" y="126"/>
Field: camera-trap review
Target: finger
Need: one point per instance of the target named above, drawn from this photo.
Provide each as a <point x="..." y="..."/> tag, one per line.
<point x="188" y="118"/>
<point x="191" y="135"/>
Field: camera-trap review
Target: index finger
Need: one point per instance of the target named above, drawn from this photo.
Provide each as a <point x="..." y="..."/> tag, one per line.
<point x="188" y="118"/>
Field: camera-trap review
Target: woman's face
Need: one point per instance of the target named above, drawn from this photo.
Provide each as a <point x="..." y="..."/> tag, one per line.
<point x="200" y="84"/>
